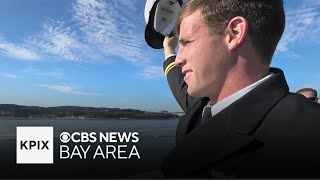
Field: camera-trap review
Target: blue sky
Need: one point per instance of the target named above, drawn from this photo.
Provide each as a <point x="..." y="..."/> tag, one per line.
<point x="93" y="53"/>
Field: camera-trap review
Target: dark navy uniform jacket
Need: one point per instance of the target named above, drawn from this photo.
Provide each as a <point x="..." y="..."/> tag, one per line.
<point x="267" y="133"/>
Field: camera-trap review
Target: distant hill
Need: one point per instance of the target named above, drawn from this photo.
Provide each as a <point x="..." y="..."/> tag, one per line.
<point x="76" y="112"/>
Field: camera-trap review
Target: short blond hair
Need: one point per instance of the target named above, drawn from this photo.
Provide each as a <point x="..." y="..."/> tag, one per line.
<point x="266" y="20"/>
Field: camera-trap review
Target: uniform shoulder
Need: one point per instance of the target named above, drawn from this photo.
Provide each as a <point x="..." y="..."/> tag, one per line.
<point x="297" y="101"/>
<point x="299" y="108"/>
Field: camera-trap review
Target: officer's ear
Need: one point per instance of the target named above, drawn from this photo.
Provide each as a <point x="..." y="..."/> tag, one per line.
<point x="236" y="32"/>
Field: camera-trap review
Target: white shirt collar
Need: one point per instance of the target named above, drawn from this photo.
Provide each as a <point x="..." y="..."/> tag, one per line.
<point x="216" y="108"/>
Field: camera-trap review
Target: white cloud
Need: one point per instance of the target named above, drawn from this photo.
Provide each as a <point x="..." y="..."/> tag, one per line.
<point x="9" y="76"/>
<point x="111" y="28"/>
<point x="302" y="24"/>
<point x="98" y="30"/>
<point x="18" y="51"/>
<point x="67" y="89"/>
<point x="60" y="88"/>
<point x="58" y="41"/>
<point x="86" y="93"/>
<point x="152" y="72"/>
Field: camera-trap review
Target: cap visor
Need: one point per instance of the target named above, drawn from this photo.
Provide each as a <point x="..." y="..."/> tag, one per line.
<point x="153" y="38"/>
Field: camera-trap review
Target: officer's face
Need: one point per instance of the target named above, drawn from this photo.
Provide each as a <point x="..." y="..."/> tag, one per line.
<point x="202" y="57"/>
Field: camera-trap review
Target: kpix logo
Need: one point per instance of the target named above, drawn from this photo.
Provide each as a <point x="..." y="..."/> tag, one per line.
<point x="34" y="145"/>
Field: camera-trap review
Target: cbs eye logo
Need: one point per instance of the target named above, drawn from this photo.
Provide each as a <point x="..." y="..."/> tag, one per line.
<point x="78" y="137"/>
<point x="65" y="137"/>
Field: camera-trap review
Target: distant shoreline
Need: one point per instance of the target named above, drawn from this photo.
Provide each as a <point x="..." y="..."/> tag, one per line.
<point x="13" y="111"/>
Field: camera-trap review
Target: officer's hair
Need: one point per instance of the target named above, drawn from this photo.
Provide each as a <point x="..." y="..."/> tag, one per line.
<point x="266" y="20"/>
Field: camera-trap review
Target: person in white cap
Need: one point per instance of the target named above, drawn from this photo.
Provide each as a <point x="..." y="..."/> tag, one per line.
<point x="256" y="128"/>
